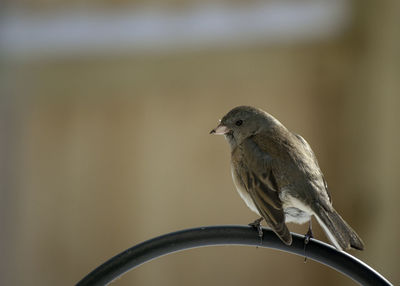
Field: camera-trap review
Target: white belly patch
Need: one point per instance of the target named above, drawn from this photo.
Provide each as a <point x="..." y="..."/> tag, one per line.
<point x="296" y="215"/>
<point x="295" y="210"/>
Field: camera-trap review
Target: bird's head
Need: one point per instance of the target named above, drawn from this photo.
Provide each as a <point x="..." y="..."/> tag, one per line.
<point x="242" y="122"/>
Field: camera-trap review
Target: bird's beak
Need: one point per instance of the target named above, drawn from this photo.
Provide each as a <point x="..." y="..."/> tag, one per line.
<point x="220" y="130"/>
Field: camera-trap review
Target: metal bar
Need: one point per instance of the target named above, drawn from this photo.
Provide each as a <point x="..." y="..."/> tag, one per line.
<point x="231" y="235"/>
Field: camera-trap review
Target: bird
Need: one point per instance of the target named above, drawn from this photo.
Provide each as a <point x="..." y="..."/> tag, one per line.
<point x="277" y="174"/>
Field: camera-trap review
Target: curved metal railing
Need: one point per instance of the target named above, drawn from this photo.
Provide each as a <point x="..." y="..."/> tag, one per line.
<point x="231" y="235"/>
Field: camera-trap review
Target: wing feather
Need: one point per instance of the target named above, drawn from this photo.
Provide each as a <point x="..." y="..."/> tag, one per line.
<point x="263" y="189"/>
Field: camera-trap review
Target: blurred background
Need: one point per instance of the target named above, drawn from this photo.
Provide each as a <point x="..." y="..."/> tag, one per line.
<point x="105" y="109"/>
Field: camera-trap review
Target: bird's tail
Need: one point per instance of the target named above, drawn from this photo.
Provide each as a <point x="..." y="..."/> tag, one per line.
<point x="337" y="230"/>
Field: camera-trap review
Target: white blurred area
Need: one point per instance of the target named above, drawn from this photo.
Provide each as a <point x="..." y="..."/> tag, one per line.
<point x="149" y="28"/>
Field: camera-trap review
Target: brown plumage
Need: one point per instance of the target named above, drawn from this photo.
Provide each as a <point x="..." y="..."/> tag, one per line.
<point x="277" y="174"/>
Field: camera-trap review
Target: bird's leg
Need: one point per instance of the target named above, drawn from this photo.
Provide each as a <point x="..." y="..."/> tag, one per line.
<point x="309" y="233"/>
<point x="307" y="238"/>
<point x="257" y="225"/>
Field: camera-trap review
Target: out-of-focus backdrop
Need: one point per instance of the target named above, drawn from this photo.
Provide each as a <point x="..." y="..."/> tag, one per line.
<point x="105" y="111"/>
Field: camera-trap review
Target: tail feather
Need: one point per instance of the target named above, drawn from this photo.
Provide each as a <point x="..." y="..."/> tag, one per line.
<point x="338" y="231"/>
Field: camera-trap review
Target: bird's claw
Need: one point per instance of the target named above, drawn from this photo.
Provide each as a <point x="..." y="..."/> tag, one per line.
<point x="257" y="225"/>
<point x="308" y="236"/>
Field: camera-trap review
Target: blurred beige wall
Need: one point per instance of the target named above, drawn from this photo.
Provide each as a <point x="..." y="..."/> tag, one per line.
<point x="100" y="154"/>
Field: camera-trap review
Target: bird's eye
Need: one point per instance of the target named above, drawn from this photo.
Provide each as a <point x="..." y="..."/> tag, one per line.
<point x="239" y="122"/>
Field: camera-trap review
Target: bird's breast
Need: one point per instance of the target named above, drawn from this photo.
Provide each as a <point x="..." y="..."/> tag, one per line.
<point x="241" y="189"/>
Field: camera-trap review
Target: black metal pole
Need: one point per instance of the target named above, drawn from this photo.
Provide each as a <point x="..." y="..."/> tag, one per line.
<point x="231" y="235"/>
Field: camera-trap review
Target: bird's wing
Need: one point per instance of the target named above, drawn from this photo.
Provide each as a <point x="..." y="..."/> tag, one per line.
<point x="261" y="184"/>
<point x="310" y="153"/>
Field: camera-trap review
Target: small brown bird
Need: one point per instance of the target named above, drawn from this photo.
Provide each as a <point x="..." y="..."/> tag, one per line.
<point x="277" y="174"/>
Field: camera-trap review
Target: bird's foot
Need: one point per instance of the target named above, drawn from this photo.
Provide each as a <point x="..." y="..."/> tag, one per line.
<point x="257" y="225"/>
<point x="307" y="238"/>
